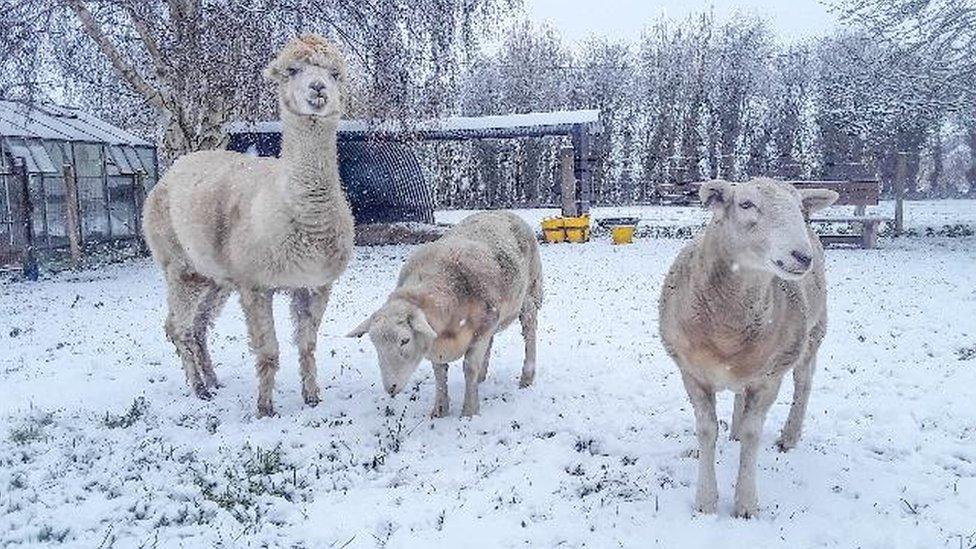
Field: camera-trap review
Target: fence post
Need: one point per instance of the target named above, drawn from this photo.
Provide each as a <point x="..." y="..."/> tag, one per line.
<point x="901" y="173"/>
<point x="139" y="199"/>
<point x="72" y="215"/>
<point x="567" y="181"/>
<point x="29" y="257"/>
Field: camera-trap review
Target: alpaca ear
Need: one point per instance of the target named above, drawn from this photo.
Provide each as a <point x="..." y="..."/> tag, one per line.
<point x="418" y="321"/>
<point x="814" y="200"/>
<point x="715" y="195"/>
<point x="360" y="331"/>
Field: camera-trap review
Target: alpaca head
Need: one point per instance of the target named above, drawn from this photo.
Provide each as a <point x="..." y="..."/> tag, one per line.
<point x="311" y="77"/>
<point x="761" y="223"/>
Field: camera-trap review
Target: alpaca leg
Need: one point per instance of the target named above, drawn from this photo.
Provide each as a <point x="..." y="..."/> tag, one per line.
<point x="307" y="308"/>
<point x="185" y="292"/>
<point x="757" y="401"/>
<point x="736" y="416"/>
<point x="706" y="429"/>
<point x="528" y="320"/>
<point x="802" y="380"/>
<point x="209" y="309"/>
<point x="442" y="401"/>
<point x="484" y="365"/>
<point x="261" y="332"/>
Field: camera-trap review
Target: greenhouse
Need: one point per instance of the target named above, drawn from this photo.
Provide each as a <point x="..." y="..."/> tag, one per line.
<point x="109" y="169"/>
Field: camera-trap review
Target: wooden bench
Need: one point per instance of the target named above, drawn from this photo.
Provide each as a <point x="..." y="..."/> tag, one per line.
<point x="859" y="194"/>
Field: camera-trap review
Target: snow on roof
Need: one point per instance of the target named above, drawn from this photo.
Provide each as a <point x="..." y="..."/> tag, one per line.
<point x="42" y="121"/>
<point x="557" y="119"/>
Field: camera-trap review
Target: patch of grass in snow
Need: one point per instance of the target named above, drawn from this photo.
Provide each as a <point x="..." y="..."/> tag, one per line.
<point x="48" y="534"/>
<point x="32" y="429"/>
<point x="966" y="353"/>
<point x="128" y="419"/>
<point x="247" y="484"/>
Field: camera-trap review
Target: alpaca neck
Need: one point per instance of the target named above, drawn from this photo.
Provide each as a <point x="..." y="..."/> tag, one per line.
<point x="308" y="148"/>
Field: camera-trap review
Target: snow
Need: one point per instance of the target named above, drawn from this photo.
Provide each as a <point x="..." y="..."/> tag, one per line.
<point x="101" y="444"/>
<point x="452" y="123"/>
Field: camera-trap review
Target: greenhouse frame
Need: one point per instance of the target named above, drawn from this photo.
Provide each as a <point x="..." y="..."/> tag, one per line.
<point x="42" y="144"/>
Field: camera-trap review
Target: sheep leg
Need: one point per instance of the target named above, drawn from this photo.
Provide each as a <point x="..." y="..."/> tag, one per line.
<point x="528" y="320"/>
<point x="757" y="401"/>
<point x="185" y="293"/>
<point x="442" y="401"/>
<point x="802" y="380"/>
<point x="473" y="361"/>
<point x="209" y="309"/>
<point x="257" y="305"/>
<point x="736" y="416"/>
<point x="702" y="400"/>
<point x="484" y="365"/>
<point x="307" y="308"/>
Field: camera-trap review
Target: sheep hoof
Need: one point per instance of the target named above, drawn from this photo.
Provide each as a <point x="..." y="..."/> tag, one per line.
<point x="266" y="410"/>
<point x="202" y="392"/>
<point x="439" y="411"/>
<point x="312" y="401"/>
<point x="785" y="444"/>
<point x="745" y="511"/>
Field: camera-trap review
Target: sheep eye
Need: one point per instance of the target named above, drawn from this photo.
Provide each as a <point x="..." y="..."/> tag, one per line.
<point x="403" y="342"/>
<point x="746" y="205"/>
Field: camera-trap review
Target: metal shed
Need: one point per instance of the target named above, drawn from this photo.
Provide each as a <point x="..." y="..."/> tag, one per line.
<point x="43" y="145"/>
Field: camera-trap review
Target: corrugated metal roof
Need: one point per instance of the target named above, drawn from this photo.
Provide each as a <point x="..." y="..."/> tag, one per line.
<point x="60" y="123"/>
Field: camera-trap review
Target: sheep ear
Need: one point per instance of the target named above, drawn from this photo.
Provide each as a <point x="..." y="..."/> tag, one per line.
<point x="418" y="321"/>
<point x="360" y="331"/>
<point x="715" y="194"/>
<point x="814" y="200"/>
<point x="271" y="72"/>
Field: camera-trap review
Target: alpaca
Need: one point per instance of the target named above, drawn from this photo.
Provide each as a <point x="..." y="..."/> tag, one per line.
<point x="452" y="297"/>
<point x="220" y="221"/>
<point x="742" y="305"/>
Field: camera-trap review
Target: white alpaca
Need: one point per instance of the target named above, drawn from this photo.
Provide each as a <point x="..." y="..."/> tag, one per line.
<point x="742" y="305"/>
<point x="452" y="297"/>
<point x="220" y="221"/>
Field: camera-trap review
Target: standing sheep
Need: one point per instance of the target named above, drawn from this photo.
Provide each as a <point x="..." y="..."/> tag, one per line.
<point x="222" y="221"/>
<point x="452" y="297"/>
<point x="743" y="304"/>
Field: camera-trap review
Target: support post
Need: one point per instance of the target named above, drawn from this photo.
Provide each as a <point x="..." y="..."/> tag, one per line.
<point x="582" y="168"/>
<point x="567" y="181"/>
<point x="139" y="199"/>
<point x="901" y="173"/>
<point x="29" y="257"/>
<point x="72" y="217"/>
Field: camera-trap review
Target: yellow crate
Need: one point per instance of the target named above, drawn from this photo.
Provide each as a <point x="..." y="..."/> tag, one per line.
<point x="553" y="230"/>
<point x="577" y="228"/>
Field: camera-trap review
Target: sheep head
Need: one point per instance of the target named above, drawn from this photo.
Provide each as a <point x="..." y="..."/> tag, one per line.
<point x="311" y="76"/>
<point x="761" y="223"/>
<point x="402" y="337"/>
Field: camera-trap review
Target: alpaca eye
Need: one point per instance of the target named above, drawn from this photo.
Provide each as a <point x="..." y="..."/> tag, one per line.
<point x="746" y="205"/>
<point x="403" y="342"/>
<point x="336" y="75"/>
<point x="292" y="71"/>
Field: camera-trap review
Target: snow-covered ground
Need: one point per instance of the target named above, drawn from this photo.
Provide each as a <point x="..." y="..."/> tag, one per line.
<point x="101" y="445"/>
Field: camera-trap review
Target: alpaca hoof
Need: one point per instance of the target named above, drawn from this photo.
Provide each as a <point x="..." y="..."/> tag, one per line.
<point x="439" y="410"/>
<point x="706" y="505"/>
<point x="746" y="511"/>
<point x="469" y="411"/>
<point x="266" y="410"/>
<point x="202" y="392"/>
<point x="312" y="401"/>
<point x="526" y="381"/>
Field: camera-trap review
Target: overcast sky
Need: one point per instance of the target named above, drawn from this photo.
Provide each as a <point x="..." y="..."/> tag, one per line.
<point x="576" y="19"/>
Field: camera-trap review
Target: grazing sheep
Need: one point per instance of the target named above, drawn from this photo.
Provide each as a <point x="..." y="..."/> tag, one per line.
<point x="221" y="221"/>
<point x="742" y="304"/>
<point x="452" y="297"/>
